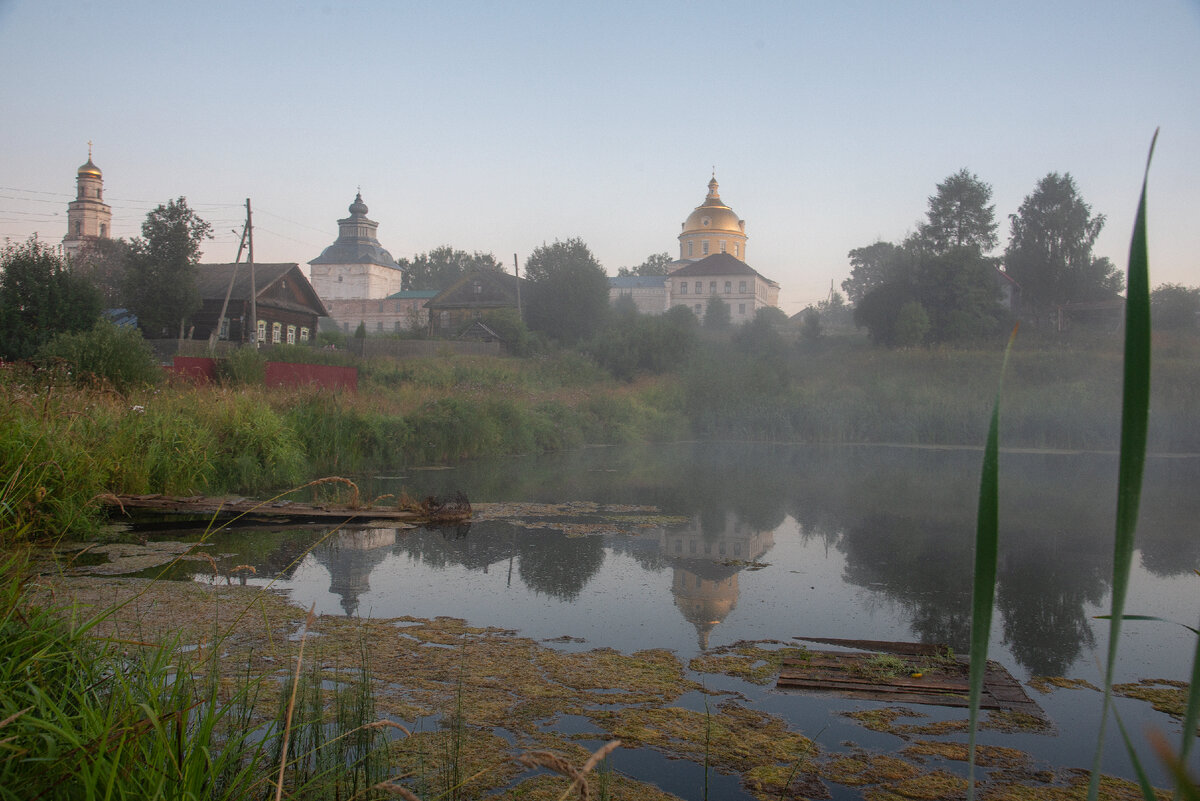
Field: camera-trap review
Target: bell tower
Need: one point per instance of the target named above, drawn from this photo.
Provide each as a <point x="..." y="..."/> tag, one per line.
<point x="88" y="216"/>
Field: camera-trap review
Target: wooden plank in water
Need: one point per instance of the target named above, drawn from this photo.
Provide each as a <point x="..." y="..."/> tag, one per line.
<point x="199" y="505"/>
<point x="942" y="680"/>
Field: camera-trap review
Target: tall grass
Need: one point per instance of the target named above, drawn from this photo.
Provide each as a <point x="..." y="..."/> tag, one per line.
<point x="1135" y="413"/>
<point x="84" y="719"/>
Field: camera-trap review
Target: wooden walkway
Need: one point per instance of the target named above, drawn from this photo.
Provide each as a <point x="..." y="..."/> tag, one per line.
<point x="942" y="681"/>
<point x="227" y="507"/>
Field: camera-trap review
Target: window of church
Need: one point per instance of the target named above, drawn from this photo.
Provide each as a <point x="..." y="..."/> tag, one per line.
<point x="704" y="247"/>
<point x="78" y="228"/>
<point x="103" y="229"/>
<point x="722" y="245"/>
<point x="689" y="250"/>
<point x="735" y="251"/>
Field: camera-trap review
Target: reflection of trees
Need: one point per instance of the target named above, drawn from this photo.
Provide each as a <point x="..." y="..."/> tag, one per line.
<point x="923" y="566"/>
<point x="1167" y="532"/>
<point x="558" y="565"/>
<point x="1041" y="597"/>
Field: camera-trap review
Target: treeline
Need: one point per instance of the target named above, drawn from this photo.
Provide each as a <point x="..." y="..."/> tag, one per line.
<point x="941" y="285"/>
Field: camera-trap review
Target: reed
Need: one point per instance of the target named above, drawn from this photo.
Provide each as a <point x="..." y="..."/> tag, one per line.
<point x="1134" y="428"/>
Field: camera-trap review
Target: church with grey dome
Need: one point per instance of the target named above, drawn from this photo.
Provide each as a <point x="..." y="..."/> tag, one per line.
<point x="356" y="265"/>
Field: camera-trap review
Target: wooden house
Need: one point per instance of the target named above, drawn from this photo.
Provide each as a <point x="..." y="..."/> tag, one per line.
<point x="467" y="300"/>
<point x="287" y="305"/>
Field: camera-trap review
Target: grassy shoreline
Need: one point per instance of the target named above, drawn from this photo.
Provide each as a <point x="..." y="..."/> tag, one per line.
<point x="61" y="446"/>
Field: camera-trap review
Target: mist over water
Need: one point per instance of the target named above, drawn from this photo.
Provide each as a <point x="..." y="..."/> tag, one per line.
<point x="696" y="545"/>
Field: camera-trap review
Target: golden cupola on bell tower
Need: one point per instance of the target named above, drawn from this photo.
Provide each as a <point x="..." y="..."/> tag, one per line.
<point x="88" y="216"/>
<point x="712" y="228"/>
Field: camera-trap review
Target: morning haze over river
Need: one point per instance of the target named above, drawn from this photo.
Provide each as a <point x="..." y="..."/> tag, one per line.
<point x="696" y="545"/>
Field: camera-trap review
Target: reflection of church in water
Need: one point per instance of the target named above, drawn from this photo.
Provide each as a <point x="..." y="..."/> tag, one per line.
<point x="350" y="557"/>
<point x="706" y="567"/>
<point x="705" y="560"/>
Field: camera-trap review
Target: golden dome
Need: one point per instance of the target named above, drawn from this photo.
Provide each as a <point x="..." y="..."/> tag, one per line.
<point x="713" y="215"/>
<point x="89" y="168"/>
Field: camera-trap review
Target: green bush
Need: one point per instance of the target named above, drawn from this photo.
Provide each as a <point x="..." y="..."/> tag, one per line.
<point x="116" y="354"/>
<point x="242" y="367"/>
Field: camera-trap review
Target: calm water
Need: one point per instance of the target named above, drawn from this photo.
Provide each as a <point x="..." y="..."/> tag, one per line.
<point x="693" y="545"/>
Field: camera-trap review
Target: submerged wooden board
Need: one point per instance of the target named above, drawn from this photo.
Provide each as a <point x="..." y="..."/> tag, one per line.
<point x="942" y="681"/>
<point x="200" y="505"/>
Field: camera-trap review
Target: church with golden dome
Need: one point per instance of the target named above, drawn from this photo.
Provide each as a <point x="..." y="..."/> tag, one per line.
<point x="712" y="263"/>
<point x="88" y="216"/>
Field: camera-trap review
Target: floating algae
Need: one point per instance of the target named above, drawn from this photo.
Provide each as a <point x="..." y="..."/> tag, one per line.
<point x="746" y="660"/>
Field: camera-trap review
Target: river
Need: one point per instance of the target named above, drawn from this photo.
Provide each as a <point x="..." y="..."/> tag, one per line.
<point x="691" y="546"/>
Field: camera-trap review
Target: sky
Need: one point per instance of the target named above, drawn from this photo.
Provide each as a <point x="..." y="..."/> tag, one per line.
<point x="499" y="127"/>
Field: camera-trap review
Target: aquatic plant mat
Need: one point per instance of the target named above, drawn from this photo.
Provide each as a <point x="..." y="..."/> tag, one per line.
<point x="472" y="701"/>
<point x="901" y="672"/>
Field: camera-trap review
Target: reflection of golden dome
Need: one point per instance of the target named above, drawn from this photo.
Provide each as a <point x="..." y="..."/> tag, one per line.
<point x="89" y="169"/>
<point x="713" y="215"/>
<point x="704" y="602"/>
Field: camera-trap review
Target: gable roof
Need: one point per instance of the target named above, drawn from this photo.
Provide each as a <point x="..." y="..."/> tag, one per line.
<point x="212" y="280"/>
<point x="637" y="282"/>
<point x="719" y="264"/>
<point x="496" y="290"/>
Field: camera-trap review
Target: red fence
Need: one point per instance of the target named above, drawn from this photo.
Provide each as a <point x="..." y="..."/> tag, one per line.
<point x="278" y="374"/>
<point x="293" y="374"/>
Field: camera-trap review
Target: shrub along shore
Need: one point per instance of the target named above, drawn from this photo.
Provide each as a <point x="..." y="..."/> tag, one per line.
<point x="63" y="443"/>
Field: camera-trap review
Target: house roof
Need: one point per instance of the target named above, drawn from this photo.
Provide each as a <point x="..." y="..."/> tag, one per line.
<point x="496" y="290"/>
<point x="638" y="282"/>
<point x="719" y="264"/>
<point x="212" y="280"/>
<point x="413" y="294"/>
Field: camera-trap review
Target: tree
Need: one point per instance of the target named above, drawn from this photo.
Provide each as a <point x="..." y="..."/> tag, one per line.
<point x="717" y="314"/>
<point x="1050" y="248"/>
<point x="810" y="324"/>
<point x="160" y="282"/>
<point x="568" y="291"/>
<point x="879" y="309"/>
<point x="104" y="262"/>
<point x="40" y="297"/>
<point x="912" y="325"/>
<point x="943" y="268"/>
<point x="960" y="215"/>
<point x="442" y="266"/>
<point x="655" y="264"/>
<point x="871" y="267"/>
<point x="1175" y="307"/>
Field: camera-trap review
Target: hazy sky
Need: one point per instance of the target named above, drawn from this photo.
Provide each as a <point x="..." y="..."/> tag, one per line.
<point x="499" y="126"/>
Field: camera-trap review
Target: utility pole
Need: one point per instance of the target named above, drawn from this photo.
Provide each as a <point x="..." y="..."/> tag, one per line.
<point x="253" y="285"/>
<point x="212" y="336"/>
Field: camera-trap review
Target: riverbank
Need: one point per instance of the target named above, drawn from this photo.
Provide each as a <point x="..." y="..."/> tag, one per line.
<point x="63" y="446"/>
